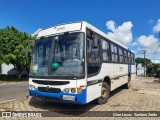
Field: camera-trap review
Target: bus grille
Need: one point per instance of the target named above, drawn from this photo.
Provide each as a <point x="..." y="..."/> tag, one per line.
<point x="51" y="90"/>
<point x="51" y="82"/>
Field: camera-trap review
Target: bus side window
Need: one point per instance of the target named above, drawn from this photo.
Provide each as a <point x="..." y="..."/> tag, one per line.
<point x="129" y="57"/>
<point x="132" y="58"/>
<point x="106" y="50"/>
<point x="120" y="55"/>
<point x="93" y="55"/>
<point x="125" y="56"/>
<point x="114" y="50"/>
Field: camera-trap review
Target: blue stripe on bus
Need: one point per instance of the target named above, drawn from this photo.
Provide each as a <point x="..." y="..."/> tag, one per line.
<point x="80" y="97"/>
<point x="129" y="66"/>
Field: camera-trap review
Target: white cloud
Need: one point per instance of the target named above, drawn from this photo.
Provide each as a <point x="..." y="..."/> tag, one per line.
<point x="122" y="33"/>
<point x="156" y="28"/>
<point x="111" y="25"/>
<point x="147" y="42"/>
<point x="133" y="44"/>
<point x="155" y="54"/>
<point x="150" y="43"/>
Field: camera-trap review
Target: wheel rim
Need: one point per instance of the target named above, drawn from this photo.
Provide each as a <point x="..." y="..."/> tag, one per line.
<point x="103" y="93"/>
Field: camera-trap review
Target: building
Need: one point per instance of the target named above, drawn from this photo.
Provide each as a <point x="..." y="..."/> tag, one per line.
<point x="140" y="69"/>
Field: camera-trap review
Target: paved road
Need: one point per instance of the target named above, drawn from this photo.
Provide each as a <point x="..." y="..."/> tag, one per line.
<point x="10" y="92"/>
<point x="144" y="95"/>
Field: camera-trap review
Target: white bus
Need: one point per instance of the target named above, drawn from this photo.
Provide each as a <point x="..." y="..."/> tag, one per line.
<point x="77" y="63"/>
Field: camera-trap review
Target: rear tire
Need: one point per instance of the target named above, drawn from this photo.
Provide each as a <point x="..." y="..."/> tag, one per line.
<point x="105" y="92"/>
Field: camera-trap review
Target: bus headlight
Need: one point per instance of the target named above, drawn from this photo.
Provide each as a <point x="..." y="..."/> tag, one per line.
<point x="66" y="90"/>
<point x="70" y="90"/>
<point x="73" y="90"/>
<point x="32" y="87"/>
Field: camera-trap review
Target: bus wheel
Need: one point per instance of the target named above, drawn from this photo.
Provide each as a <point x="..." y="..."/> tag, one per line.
<point x="104" y="94"/>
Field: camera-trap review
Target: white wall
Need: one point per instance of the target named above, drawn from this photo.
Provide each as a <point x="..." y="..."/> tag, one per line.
<point x="140" y="72"/>
<point x="6" y="68"/>
<point x="140" y="69"/>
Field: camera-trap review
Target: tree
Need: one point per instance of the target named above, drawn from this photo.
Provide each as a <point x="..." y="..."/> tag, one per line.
<point x="13" y="46"/>
<point x="142" y="60"/>
<point x="152" y="68"/>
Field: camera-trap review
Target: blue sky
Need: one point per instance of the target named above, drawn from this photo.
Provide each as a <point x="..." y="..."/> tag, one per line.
<point x="140" y="15"/>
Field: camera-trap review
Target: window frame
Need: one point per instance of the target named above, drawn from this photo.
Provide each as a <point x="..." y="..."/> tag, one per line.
<point x="108" y="51"/>
<point x="121" y="55"/>
<point x="99" y="63"/>
<point x="114" y="53"/>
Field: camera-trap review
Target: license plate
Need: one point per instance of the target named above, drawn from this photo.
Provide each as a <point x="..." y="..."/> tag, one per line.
<point x="66" y="97"/>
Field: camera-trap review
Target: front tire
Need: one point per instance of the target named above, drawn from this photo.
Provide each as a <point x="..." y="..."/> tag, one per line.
<point x="105" y="92"/>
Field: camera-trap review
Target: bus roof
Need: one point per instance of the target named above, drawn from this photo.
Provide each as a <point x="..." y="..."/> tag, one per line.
<point x="75" y="26"/>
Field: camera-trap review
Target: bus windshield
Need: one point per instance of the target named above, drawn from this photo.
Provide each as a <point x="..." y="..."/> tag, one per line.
<point x="60" y="55"/>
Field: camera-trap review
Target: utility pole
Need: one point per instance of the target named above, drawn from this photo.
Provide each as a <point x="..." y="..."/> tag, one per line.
<point x="144" y="52"/>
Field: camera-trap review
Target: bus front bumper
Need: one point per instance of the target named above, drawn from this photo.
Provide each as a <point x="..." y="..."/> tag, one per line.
<point x="80" y="98"/>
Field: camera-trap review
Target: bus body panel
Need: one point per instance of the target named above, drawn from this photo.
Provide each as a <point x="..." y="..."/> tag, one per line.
<point x="117" y="72"/>
<point x="60" y="29"/>
<point x="93" y="89"/>
<point x="80" y="97"/>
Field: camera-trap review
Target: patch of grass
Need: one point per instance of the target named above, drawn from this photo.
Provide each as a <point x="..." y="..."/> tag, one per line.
<point x="6" y="78"/>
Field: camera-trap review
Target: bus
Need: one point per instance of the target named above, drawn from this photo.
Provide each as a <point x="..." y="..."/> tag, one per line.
<point x="77" y="63"/>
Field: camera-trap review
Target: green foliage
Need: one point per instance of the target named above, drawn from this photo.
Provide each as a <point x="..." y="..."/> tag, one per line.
<point x="6" y="78"/>
<point x="142" y="60"/>
<point x="152" y="68"/>
<point x="13" y="46"/>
